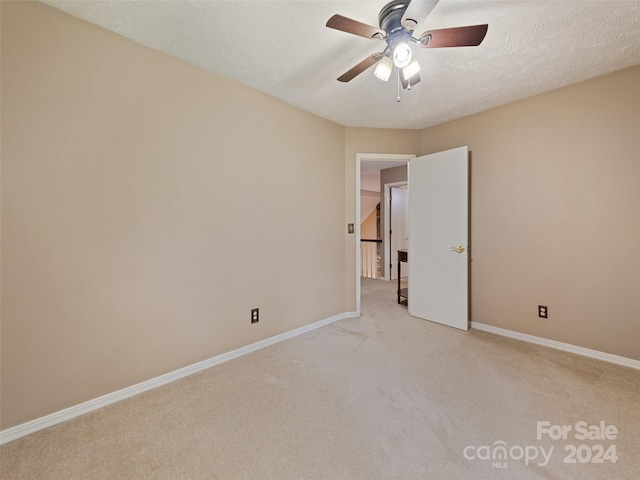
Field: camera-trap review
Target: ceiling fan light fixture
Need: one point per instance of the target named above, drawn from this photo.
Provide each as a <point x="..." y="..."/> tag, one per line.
<point x="411" y="69"/>
<point x="384" y="68"/>
<point x="402" y="54"/>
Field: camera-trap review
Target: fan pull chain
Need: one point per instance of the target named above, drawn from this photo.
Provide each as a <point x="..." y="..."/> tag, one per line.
<point x="398" y="97"/>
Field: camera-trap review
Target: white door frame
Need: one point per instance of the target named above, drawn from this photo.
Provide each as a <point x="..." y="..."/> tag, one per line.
<point x="376" y="157"/>
<point x="387" y="225"/>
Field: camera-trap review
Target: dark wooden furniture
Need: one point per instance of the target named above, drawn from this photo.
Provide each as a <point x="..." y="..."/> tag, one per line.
<point x="403" y="256"/>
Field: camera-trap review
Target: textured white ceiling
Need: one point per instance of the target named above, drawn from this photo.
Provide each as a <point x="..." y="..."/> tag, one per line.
<point x="283" y="49"/>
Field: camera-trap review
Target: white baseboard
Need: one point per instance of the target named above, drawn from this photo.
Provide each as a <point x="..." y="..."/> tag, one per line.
<point x="567" y="347"/>
<point x="41" y="423"/>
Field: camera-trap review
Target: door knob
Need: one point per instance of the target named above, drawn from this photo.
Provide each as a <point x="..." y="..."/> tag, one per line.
<point x="459" y="249"/>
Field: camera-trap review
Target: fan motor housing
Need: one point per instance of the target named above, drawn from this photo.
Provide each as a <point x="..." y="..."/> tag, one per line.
<point x="390" y="17"/>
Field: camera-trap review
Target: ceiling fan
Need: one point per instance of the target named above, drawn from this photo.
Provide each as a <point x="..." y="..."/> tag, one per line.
<point x="397" y="20"/>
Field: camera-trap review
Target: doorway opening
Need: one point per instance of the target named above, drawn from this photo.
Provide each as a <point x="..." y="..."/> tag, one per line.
<point x="369" y="185"/>
<point x="438" y="240"/>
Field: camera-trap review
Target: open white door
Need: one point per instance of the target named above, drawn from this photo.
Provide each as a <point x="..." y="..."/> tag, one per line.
<point x="438" y="237"/>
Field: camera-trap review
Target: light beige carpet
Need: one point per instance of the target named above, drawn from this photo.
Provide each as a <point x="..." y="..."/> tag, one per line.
<point x="384" y="396"/>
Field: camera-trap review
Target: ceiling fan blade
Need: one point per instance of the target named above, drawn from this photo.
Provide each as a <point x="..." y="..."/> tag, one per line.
<point x="361" y="67"/>
<point x="416" y="12"/>
<point x="470" y="36"/>
<point x="344" y="24"/>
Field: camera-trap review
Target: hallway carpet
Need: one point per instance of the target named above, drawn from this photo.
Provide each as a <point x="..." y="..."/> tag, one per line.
<point x="384" y="396"/>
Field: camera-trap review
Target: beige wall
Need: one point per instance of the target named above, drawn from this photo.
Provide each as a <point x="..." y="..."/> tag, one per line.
<point x="368" y="228"/>
<point x="555" y="200"/>
<point x="367" y="140"/>
<point x="147" y="206"/>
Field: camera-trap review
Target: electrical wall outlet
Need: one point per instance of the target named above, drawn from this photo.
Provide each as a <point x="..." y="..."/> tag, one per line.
<point x="255" y="315"/>
<point x="543" y="312"/>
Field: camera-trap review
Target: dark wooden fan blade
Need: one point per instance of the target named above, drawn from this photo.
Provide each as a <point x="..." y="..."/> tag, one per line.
<point x="416" y="12"/>
<point x="344" y="24"/>
<point x="361" y="67"/>
<point x="471" y="36"/>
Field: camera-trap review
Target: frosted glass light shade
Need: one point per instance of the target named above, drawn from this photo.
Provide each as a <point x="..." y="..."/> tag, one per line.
<point x="402" y="54"/>
<point x="411" y="69"/>
<point x="383" y="69"/>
